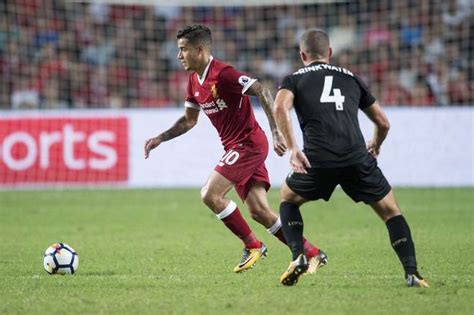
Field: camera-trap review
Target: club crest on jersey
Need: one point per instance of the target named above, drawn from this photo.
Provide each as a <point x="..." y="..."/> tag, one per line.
<point x="214" y="91"/>
<point x="219" y="102"/>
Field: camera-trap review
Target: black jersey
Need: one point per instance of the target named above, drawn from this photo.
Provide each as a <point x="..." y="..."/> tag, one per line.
<point x="327" y="99"/>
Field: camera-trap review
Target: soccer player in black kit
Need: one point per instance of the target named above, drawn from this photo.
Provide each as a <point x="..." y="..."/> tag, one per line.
<point x="326" y="99"/>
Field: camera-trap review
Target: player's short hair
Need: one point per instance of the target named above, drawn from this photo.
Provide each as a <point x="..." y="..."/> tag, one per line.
<point x="196" y="34"/>
<point x="315" y="42"/>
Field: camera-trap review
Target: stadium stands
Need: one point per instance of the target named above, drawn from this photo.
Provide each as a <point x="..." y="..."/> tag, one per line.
<point x="62" y="54"/>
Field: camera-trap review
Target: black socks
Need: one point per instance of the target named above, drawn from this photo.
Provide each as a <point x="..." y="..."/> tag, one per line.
<point x="398" y="230"/>
<point x="402" y="243"/>
<point x="292" y="226"/>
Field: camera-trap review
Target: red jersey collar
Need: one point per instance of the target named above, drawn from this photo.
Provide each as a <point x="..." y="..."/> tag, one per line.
<point x="204" y="74"/>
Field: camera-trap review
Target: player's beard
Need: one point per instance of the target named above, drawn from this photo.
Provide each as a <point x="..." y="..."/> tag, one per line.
<point x="187" y="65"/>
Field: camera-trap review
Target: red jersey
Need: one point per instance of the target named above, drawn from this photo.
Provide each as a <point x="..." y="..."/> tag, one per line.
<point x="220" y="94"/>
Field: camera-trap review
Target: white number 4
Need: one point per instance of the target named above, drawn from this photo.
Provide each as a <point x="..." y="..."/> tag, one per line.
<point x="336" y="98"/>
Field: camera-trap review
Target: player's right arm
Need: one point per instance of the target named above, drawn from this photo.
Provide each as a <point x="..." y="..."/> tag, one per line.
<point x="283" y="105"/>
<point x="181" y="126"/>
<point x="382" y="125"/>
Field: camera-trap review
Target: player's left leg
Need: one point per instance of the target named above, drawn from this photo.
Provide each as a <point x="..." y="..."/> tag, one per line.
<point x="213" y="195"/>
<point x="400" y="238"/>
<point x="257" y="204"/>
<point x="366" y="182"/>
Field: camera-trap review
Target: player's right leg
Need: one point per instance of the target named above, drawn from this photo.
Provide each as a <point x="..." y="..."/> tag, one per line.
<point x="259" y="208"/>
<point x="292" y="225"/>
<point x="213" y="195"/>
<point x="298" y="189"/>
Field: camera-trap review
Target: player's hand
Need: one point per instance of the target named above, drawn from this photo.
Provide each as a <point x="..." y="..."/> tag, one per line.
<point x="150" y="144"/>
<point x="279" y="143"/>
<point x="373" y="148"/>
<point x="299" y="162"/>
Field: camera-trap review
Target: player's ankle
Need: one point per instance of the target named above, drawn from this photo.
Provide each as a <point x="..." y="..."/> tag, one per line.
<point x="253" y="245"/>
<point x="312" y="252"/>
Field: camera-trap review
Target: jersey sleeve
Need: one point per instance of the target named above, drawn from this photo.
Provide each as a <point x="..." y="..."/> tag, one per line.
<point x="190" y="101"/>
<point x="288" y="84"/>
<point x="235" y="81"/>
<point x="366" y="98"/>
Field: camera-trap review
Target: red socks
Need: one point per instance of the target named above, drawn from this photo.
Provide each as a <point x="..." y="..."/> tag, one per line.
<point x="309" y="249"/>
<point x="235" y="222"/>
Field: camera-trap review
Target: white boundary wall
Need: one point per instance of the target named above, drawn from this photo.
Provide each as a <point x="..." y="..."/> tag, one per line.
<point x="425" y="147"/>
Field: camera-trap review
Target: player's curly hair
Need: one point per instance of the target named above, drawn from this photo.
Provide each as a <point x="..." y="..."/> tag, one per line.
<point x="196" y="34"/>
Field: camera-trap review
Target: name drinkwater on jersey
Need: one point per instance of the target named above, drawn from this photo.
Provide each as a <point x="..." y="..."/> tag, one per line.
<point x="323" y="67"/>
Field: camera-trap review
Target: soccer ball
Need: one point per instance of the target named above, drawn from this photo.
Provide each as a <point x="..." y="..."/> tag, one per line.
<point x="60" y="258"/>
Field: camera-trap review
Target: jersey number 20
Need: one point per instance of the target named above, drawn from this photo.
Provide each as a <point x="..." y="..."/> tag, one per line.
<point x="336" y="98"/>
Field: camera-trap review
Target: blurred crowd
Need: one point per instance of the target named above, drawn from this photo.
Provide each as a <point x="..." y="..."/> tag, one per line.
<point x="63" y="54"/>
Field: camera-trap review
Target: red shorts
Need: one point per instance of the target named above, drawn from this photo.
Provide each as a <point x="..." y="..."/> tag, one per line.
<point x="244" y="165"/>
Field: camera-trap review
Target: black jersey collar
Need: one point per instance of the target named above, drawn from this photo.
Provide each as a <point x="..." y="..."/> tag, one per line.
<point x="316" y="63"/>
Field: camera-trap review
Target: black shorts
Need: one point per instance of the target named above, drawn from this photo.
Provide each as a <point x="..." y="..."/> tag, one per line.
<point x="362" y="182"/>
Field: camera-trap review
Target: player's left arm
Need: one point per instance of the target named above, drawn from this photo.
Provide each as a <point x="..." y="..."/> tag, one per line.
<point x="266" y="99"/>
<point x="371" y="108"/>
<point x="375" y="113"/>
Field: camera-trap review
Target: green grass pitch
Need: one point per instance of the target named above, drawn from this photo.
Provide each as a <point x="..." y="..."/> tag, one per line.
<point x="163" y="252"/>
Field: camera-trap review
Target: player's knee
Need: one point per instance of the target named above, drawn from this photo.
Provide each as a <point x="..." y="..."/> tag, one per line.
<point x="255" y="214"/>
<point x="259" y="212"/>
<point x="283" y="195"/>
<point x="213" y="201"/>
<point x="208" y="201"/>
<point x="387" y="207"/>
<point x="287" y="195"/>
<point x="203" y="192"/>
<point x="207" y="197"/>
<point x="387" y="212"/>
<point x="390" y="213"/>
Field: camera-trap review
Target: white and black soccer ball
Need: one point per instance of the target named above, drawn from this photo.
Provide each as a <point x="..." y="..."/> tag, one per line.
<point x="60" y="258"/>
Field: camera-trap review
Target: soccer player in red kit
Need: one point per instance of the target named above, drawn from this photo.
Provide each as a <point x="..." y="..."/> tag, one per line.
<point x="221" y="92"/>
